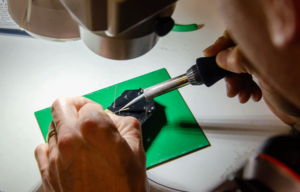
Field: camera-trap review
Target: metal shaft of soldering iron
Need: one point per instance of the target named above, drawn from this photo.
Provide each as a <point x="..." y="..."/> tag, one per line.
<point x="160" y="89"/>
<point x="206" y="71"/>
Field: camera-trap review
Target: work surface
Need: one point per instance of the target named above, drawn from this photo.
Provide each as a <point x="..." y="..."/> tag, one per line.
<point x="33" y="73"/>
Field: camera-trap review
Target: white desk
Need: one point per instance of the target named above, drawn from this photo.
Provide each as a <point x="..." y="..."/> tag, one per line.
<point x="33" y="73"/>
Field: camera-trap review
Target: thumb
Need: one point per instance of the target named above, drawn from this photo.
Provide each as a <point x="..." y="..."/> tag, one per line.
<point x="232" y="59"/>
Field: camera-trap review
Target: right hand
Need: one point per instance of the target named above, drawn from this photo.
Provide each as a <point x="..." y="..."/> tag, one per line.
<point x="229" y="57"/>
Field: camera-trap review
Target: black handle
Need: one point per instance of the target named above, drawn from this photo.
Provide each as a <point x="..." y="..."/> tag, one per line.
<point x="209" y="71"/>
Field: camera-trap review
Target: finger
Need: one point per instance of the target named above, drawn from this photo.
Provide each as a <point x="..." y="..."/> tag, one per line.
<point x="244" y="96"/>
<point x="91" y="108"/>
<point x="130" y="129"/>
<point x="245" y="92"/>
<point x="233" y="60"/>
<point x="53" y="155"/>
<point x="256" y="93"/>
<point x="233" y="84"/>
<point x="53" y="139"/>
<point x="67" y="109"/>
<point x="222" y="43"/>
<point x="243" y="85"/>
<point x="96" y="124"/>
<point x="41" y="156"/>
<point x="65" y="114"/>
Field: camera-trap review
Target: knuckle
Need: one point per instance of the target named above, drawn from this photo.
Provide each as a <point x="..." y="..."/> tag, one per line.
<point x="99" y="105"/>
<point x="39" y="149"/>
<point x="59" y="102"/>
<point x="96" y="124"/>
<point x="66" y="143"/>
<point x="90" y="121"/>
<point x="44" y="171"/>
<point x="238" y="61"/>
<point x="134" y="123"/>
<point x="235" y="59"/>
<point x="89" y="124"/>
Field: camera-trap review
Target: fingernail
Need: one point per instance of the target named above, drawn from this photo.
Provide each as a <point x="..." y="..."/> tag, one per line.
<point x="227" y="89"/>
<point x="222" y="59"/>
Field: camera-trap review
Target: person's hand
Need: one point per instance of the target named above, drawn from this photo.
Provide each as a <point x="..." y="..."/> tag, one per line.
<point x="230" y="57"/>
<point x="240" y="83"/>
<point x="92" y="150"/>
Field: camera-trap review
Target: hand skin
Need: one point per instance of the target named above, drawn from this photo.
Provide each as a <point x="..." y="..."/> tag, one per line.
<point x="231" y="58"/>
<point x="267" y="35"/>
<point x="92" y="151"/>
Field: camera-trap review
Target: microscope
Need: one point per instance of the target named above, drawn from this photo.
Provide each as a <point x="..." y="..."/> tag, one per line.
<point x="114" y="29"/>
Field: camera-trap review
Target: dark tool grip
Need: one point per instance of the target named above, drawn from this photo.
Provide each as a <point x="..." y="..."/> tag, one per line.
<point x="209" y="71"/>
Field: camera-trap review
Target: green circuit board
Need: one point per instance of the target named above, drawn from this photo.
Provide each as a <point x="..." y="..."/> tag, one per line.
<point x="169" y="133"/>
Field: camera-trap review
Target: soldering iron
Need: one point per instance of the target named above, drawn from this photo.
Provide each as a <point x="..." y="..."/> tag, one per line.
<point x="205" y="71"/>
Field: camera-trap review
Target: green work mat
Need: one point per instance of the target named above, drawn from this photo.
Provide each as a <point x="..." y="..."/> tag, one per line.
<point x="170" y="132"/>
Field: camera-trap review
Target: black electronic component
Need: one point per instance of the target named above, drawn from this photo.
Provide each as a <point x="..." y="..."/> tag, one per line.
<point x="163" y="26"/>
<point x="141" y="110"/>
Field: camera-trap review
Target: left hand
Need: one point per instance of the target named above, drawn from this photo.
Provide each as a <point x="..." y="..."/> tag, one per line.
<point x="239" y="83"/>
<point x="92" y="150"/>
